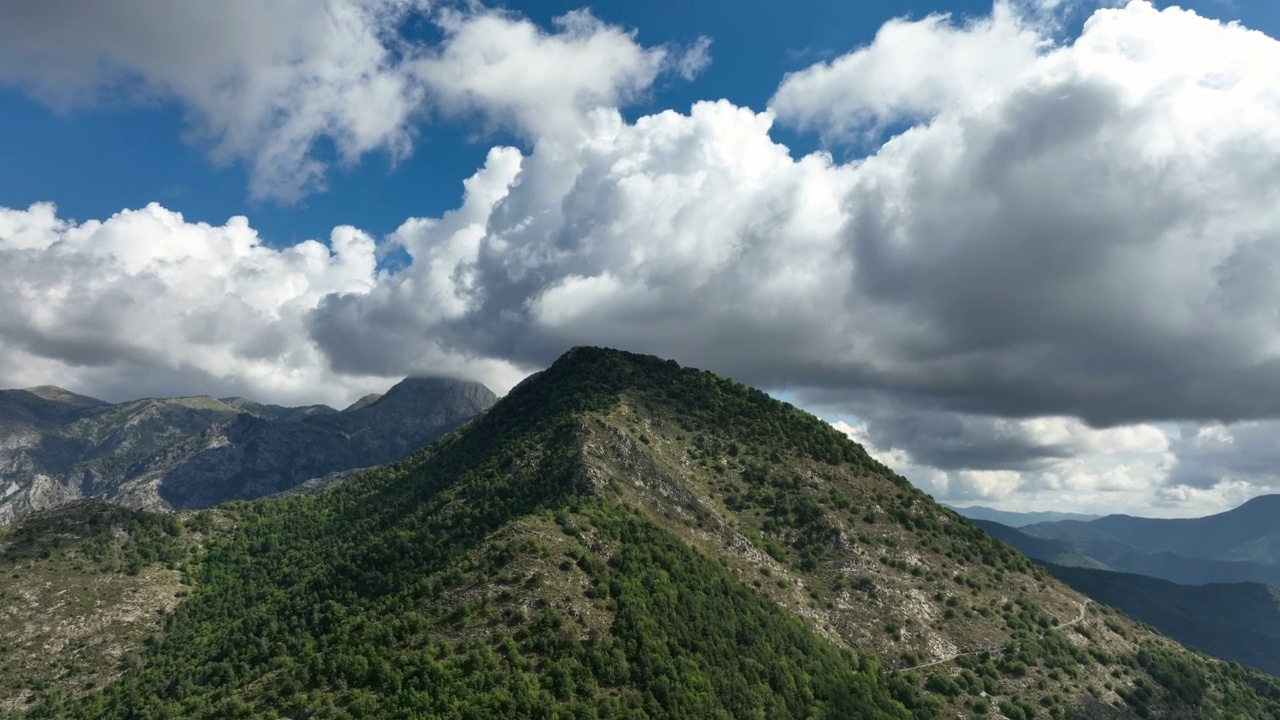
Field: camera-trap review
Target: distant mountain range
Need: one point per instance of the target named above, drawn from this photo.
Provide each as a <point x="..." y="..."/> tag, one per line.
<point x="1202" y="581"/>
<point x="1233" y="621"/>
<point x="1249" y="533"/>
<point x="1240" y="545"/>
<point x="188" y="452"/>
<point x="1016" y="519"/>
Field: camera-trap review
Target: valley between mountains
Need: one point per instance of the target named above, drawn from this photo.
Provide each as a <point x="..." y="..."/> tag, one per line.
<point x="618" y="537"/>
<point x="1209" y="582"/>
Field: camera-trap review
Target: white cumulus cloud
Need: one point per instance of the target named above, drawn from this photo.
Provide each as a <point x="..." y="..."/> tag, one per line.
<point x="264" y="83"/>
<point x="146" y="303"/>
<point x="1066" y="245"/>
<point x="538" y="83"/>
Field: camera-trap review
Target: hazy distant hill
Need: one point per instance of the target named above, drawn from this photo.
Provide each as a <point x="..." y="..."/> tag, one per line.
<point x="1051" y="551"/>
<point x="1239" y="545"/>
<point x="160" y="453"/>
<point x="1017" y="519"/>
<point x="618" y="537"/>
<point x="1236" y="621"/>
<point x="1249" y="533"/>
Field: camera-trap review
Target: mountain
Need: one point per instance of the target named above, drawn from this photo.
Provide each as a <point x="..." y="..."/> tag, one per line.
<point x="617" y="537"/>
<point x="1057" y="552"/>
<point x="1233" y="621"/>
<point x="1080" y="545"/>
<point x="1236" y="621"/>
<point x="1017" y="519"/>
<point x="277" y="412"/>
<point x="1249" y="533"/>
<point x="363" y="402"/>
<point x="187" y="452"/>
<point x="45" y="403"/>
<point x="1240" y="545"/>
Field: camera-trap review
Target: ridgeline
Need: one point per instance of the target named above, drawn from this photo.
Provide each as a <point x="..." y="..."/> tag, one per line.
<point x="618" y="537"/>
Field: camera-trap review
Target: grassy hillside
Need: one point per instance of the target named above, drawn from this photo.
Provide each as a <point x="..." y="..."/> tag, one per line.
<point x="621" y="537"/>
<point x="82" y="587"/>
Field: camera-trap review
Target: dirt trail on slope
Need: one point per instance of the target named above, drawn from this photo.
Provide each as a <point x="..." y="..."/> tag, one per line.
<point x="1083" y="607"/>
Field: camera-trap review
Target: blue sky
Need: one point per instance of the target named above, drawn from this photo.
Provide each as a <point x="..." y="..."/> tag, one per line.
<point x="1027" y="261"/>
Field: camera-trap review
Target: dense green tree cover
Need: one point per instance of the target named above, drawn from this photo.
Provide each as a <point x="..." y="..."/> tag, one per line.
<point x="115" y="539"/>
<point x="327" y="605"/>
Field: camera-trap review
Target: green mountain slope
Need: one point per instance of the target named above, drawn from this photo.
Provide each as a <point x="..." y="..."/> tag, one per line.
<point x="620" y="537"/>
<point x="1238" y="622"/>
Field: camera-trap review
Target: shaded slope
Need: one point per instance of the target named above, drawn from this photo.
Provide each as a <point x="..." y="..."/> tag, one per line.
<point x="89" y="449"/>
<point x="42" y="404"/>
<point x="250" y="456"/>
<point x="1057" y="552"/>
<point x="1239" y="622"/>
<point x="1249" y="533"/>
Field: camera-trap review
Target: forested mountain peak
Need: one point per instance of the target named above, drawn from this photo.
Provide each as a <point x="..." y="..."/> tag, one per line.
<point x="623" y="537"/>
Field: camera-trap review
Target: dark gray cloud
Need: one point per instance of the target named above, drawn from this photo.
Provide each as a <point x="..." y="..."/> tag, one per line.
<point x="951" y="441"/>
<point x="1241" y="453"/>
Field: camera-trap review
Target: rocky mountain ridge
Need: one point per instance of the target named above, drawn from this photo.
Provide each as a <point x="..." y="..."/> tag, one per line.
<point x="185" y="452"/>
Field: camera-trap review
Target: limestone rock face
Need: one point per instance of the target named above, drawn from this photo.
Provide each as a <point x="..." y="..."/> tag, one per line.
<point x="189" y="452"/>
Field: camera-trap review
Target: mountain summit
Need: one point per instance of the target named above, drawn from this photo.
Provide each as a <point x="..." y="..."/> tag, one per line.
<point x="163" y="453"/>
<point x="617" y="537"/>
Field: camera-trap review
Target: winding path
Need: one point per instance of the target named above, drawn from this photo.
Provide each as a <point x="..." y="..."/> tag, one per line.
<point x="1083" y="607"/>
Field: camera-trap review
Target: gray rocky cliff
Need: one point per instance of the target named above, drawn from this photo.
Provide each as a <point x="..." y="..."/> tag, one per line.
<point x="177" y="453"/>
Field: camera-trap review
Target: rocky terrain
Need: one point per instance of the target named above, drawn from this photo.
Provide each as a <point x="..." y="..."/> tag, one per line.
<point x="187" y="452"/>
